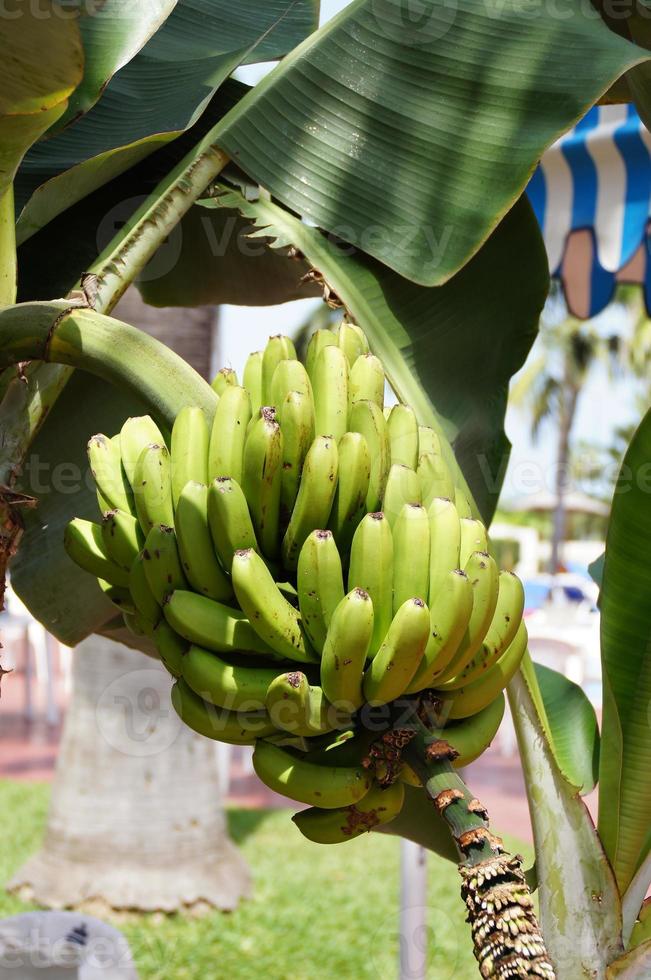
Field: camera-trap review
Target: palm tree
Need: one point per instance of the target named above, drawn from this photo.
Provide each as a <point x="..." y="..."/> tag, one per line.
<point x="550" y="389"/>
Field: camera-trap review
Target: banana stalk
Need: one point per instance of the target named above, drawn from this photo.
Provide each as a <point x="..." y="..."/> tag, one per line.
<point x="506" y="936"/>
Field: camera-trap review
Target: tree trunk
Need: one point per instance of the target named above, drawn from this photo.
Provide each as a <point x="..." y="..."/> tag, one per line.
<point x="135" y="819"/>
<point x="566" y="421"/>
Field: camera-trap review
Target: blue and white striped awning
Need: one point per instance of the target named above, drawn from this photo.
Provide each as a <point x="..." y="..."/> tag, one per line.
<point x="592" y="196"/>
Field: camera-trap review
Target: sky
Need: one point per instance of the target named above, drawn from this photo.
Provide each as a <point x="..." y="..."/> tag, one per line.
<point x="605" y="404"/>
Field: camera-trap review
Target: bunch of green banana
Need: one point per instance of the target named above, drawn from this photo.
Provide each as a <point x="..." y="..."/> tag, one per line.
<point x="298" y="561"/>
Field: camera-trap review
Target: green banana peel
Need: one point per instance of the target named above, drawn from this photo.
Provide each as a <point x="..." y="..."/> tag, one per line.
<point x="59" y="332"/>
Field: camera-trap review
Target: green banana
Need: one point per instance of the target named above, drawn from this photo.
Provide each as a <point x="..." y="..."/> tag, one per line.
<point x="399" y="656"/>
<point x="410" y="555"/>
<point x="445" y="542"/>
<point x="136" y="433"/>
<point x="428" y="441"/>
<point x="501" y="632"/>
<point x="434" y="476"/>
<point x="109" y="475"/>
<point x="252" y="380"/>
<point x="228" y="434"/>
<point x="482" y="572"/>
<point x="320" y="585"/>
<point x="152" y="488"/>
<point x="473" y="538"/>
<point x="122" y="537"/>
<point x="289" y="376"/>
<point x="227" y="685"/>
<point x="84" y="543"/>
<point x="349" y="504"/>
<point x="306" y="782"/>
<point x="351" y="339"/>
<point x="279" y="348"/>
<point x="261" y="475"/>
<point x="296" y="416"/>
<point x="318" y="340"/>
<point x="143" y="598"/>
<point x="189" y="452"/>
<point x="366" y="417"/>
<point x="300" y="709"/>
<point x="402" y="487"/>
<point x="345" y="650"/>
<point x="200" y="564"/>
<point x="367" y="380"/>
<point x="223" y="380"/>
<point x="234" y="727"/>
<point x="330" y="384"/>
<point x="273" y="618"/>
<point x="229" y="520"/>
<point x="477" y="695"/>
<point x="371" y="569"/>
<point x="315" y="497"/>
<point x="118" y="595"/>
<point x="462" y="503"/>
<point x="163" y="568"/>
<point x="212" y="625"/>
<point x="136" y="624"/>
<point x="171" y="648"/>
<point x="403" y="436"/>
<point x="450" y="611"/>
<point x="378" y="807"/>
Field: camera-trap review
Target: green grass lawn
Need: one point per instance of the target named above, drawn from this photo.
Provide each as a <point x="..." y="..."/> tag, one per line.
<point x="316" y="912"/>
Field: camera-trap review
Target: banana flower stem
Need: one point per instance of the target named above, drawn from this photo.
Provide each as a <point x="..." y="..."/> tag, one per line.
<point x="506" y="936"/>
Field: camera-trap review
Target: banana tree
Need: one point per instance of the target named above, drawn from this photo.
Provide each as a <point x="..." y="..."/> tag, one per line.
<point x="382" y="164"/>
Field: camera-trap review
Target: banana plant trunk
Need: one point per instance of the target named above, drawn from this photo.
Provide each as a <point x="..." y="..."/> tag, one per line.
<point x="135" y="819"/>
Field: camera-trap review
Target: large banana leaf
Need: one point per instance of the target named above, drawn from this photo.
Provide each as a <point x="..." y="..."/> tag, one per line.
<point x="41" y="64"/>
<point x="624" y="784"/>
<point x="580" y="908"/>
<point x="412" y="137"/>
<point x="636" y="26"/>
<point x="112" y="33"/>
<point x="216" y="263"/>
<point x="448" y="351"/>
<point x="165" y="87"/>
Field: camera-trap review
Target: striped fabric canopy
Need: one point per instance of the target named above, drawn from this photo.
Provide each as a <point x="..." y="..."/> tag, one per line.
<point x="592" y="196"/>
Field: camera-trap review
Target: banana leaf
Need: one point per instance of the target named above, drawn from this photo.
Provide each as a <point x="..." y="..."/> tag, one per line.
<point x="625" y="787"/>
<point x="161" y="91"/>
<point x="635" y="965"/>
<point x="411" y="139"/>
<point x="215" y="262"/>
<point x="66" y="244"/>
<point x="570" y="724"/>
<point x="112" y="33"/>
<point x="448" y="351"/>
<point x="39" y="70"/>
<point x="635" y="85"/>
